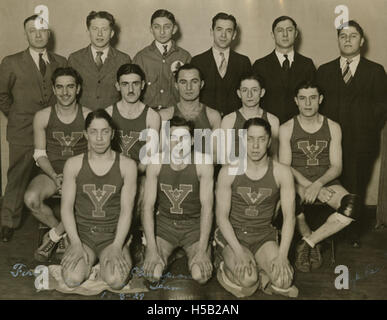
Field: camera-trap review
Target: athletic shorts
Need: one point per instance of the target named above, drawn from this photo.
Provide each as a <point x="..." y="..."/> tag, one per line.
<point x="249" y="238"/>
<point x="179" y="233"/>
<point x="96" y="238"/>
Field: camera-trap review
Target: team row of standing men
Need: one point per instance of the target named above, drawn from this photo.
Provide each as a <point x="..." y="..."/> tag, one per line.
<point x="348" y="86"/>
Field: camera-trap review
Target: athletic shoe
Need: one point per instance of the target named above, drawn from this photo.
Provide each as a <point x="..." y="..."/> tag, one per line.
<point x="302" y="257"/>
<point x="316" y="259"/>
<point x="44" y="252"/>
<point x="62" y="246"/>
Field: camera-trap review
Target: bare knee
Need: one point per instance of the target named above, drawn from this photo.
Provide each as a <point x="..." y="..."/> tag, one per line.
<point x="115" y="280"/>
<point x="282" y="283"/>
<point x="197" y="275"/>
<point x="32" y="201"/>
<point x="73" y="279"/>
<point x="249" y="280"/>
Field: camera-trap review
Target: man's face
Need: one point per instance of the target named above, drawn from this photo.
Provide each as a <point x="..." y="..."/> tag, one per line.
<point x="37" y="38"/>
<point x="99" y="135"/>
<point x="250" y="92"/>
<point x="182" y="136"/>
<point x="163" y="29"/>
<point x="66" y="90"/>
<point x="130" y="86"/>
<point x="308" y="101"/>
<point x="223" y="33"/>
<point x="284" y="34"/>
<point x="258" y="142"/>
<point x="189" y="84"/>
<point x="100" y="33"/>
<point x="350" y="42"/>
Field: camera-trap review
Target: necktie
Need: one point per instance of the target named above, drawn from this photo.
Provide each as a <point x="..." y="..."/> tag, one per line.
<point x="98" y="59"/>
<point x="42" y="65"/>
<point x="347" y="75"/>
<point x="286" y="63"/>
<point x="165" y="50"/>
<point x="223" y="65"/>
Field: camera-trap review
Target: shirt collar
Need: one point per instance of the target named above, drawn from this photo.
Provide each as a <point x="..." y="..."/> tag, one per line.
<point x="217" y="56"/>
<point x="160" y="46"/>
<point x="104" y="55"/>
<point x="353" y="65"/>
<point x="281" y="57"/>
<point x="35" y="56"/>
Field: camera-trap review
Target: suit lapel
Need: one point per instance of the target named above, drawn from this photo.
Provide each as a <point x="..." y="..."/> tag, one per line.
<point x="108" y="64"/>
<point x="276" y="68"/>
<point x="31" y="68"/>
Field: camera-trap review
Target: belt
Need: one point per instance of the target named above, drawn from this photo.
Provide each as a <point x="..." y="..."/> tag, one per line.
<point x="97" y="229"/>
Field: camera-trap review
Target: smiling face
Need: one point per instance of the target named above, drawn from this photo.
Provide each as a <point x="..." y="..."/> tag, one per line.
<point x="99" y="135"/>
<point x="250" y="93"/>
<point x="350" y="42"/>
<point x="163" y="29"/>
<point x="223" y="33"/>
<point x="258" y="142"/>
<point x="308" y="102"/>
<point x="284" y="35"/>
<point x="66" y="90"/>
<point x="189" y="84"/>
<point x="37" y="38"/>
<point x="100" y="33"/>
<point x="130" y="86"/>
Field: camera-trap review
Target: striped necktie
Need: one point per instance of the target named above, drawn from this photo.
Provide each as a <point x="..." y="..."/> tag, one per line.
<point x="347" y="75"/>
<point x="223" y="65"/>
<point x="286" y="63"/>
<point x="98" y="59"/>
<point x="42" y="65"/>
<point x="165" y="50"/>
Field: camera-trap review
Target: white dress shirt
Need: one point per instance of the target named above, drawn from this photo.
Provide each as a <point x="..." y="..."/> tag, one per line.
<point x="35" y="57"/>
<point x="352" y="66"/>
<point x="104" y="54"/>
<point x="160" y="46"/>
<point x="218" y="57"/>
<point x="281" y="57"/>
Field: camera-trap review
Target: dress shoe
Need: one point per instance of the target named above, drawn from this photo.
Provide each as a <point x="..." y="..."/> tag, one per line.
<point x="6" y="234"/>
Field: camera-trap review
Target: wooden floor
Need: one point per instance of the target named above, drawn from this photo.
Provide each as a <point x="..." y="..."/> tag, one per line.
<point x="367" y="272"/>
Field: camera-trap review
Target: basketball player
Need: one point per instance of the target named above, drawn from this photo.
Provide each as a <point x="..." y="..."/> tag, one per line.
<point x="311" y="144"/>
<point x="250" y="91"/>
<point x="98" y="193"/>
<point x="184" y="194"/>
<point x="245" y="205"/>
<point x="58" y="135"/>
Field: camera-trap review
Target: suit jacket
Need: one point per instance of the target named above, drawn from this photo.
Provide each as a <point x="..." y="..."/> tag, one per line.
<point x="279" y="96"/>
<point x="224" y="99"/>
<point x="23" y="92"/>
<point x="98" y="88"/>
<point x="363" y="113"/>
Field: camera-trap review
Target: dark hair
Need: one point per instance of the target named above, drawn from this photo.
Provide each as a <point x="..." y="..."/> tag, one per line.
<point x="68" y="71"/>
<point x="163" y="13"/>
<point x="102" y="15"/>
<point x="33" y="17"/>
<point x="307" y="85"/>
<point x="177" y="121"/>
<point x="351" y="23"/>
<point x="129" y="68"/>
<point x="187" y="66"/>
<point x="252" y="76"/>
<point x="224" y="16"/>
<point x="258" y="122"/>
<point x="283" y="18"/>
<point x="102" y="114"/>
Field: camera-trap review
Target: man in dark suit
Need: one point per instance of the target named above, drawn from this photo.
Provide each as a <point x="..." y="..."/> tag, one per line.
<point x="222" y="67"/>
<point x="98" y="62"/>
<point x="355" y="97"/>
<point x="25" y="88"/>
<point x="283" y="69"/>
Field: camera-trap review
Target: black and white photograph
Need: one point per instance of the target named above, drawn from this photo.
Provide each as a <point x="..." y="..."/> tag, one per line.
<point x="216" y="151"/>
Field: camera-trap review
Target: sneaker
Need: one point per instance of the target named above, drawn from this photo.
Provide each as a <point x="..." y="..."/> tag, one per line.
<point x="302" y="257"/>
<point x="44" y="252"/>
<point x="62" y="246"/>
<point x="316" y="259"/>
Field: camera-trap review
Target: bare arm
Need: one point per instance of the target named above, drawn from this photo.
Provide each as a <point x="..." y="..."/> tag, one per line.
<point x="128" y="193"/>
<point x="274" y="123"/>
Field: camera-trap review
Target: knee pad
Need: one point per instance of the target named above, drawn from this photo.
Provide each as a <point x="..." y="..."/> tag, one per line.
<point x="299" y="206"/>
<point x="349" y="206"/>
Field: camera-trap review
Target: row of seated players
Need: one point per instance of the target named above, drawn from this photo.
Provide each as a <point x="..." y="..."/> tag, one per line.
<point x="75" y="150"/>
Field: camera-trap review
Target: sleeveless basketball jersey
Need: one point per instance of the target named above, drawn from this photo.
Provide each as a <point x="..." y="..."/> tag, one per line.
<point x="64" y="140"/>
<point x="179" y="193"/>
<point x="200" y="122"/>
<point x="253" y="202"/>
<point x="98" y="198"/>
<point x="129" y="130"/>
<point x="310" y="151"/>
<point x="238" y="124"/>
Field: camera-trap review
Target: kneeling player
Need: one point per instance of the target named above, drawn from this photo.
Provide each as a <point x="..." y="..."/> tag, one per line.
<point x="98" y="193"/>
<point x="311" y="144"/>
<point x="245" y="205"/>
<point x="184" y="195"/>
